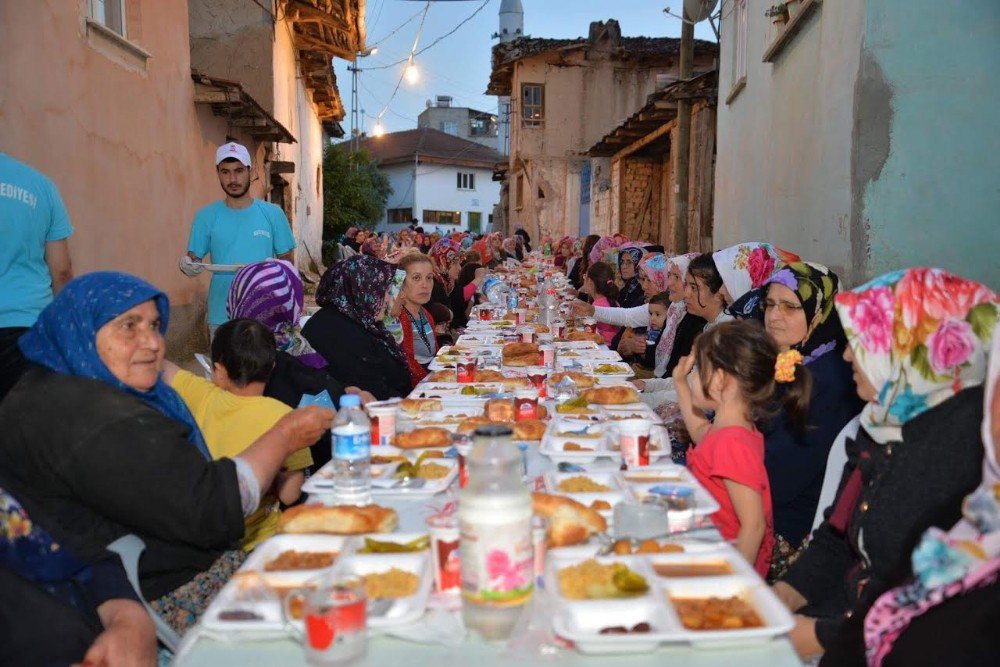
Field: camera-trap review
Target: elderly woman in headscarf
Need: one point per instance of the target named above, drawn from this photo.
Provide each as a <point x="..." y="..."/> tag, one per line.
<point x="562" y="252"/>
<point x="509" y="248"/>
<point x="744" y="268"/>
<point x="631" y="294"/>
<point x="446" y="257"/>
<point x="349" y="331"/>
<point x="947" y="613"/>
<point x="800" y="317"/>
<point x="96" y="446"/>
<point x="917" y="340"/>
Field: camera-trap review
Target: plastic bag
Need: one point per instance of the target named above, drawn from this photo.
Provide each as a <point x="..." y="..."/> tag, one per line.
<point x="533" y="641"/>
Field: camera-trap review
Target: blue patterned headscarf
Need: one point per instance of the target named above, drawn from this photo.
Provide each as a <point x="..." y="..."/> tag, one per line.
<point x="64" y="338"/>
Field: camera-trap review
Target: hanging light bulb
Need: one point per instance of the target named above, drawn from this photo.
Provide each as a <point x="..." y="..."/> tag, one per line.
<point x="412" y="74"/>
<point x="378" y="130"/>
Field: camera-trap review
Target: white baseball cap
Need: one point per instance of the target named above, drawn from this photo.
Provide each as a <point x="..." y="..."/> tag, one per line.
<point x="232" y="150"/>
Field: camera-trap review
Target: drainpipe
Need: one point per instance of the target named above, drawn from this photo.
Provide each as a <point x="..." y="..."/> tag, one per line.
<point x="680" y="240"/>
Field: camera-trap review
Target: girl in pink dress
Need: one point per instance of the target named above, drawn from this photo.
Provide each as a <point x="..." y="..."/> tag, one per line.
<point x="600" y="285"/>
<point x="735" y="366"/>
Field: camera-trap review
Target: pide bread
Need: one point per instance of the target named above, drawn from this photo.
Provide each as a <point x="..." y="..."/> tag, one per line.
<point x="613" y="395"/>
<point x="430" y="436"/>
<point x="530" y="429"/>
<point x="570" y="522"/>
<point x="441" y="376"/>
<point x="338" y="520"/>
<point x="413" y="406"/>
<point x="520" y="354"/>
<point x="582" y="380"/>
<point x="470" y="424"/>
<point x="583" y="335"/>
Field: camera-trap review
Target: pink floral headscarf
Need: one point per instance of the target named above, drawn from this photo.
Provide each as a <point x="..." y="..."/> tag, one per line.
<point x="746" y="266"/>
<point x="604" y="246"/>
<point x="920" y="336"/>
<point x="654" y="265"/>
<point x="950" y="564"/>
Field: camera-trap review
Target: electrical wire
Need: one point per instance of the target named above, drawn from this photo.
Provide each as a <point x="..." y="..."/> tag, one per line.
<point x="436" y="41"/>
<point x="397" y="28"/>
<point x="416" y="40"/>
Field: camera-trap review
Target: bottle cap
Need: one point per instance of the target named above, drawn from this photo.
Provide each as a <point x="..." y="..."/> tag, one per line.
<point x="350" y="401"/>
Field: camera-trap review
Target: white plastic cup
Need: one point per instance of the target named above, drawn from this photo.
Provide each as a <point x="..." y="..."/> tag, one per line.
<point x="383" y="417"/>
<point x="444" y="536"/>
<point x="548" y="355"/>
<point x="633" y="441"/>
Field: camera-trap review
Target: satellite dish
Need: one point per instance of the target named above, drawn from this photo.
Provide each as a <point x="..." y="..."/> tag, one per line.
<point x="699" y="10"/>
<point x="429" y="104"/>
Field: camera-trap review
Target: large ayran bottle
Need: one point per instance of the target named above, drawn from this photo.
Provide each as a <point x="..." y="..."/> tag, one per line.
<point x="494" y="514"/>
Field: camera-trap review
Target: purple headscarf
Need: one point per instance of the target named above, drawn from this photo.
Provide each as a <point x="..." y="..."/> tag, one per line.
<point x="271" y="293"/>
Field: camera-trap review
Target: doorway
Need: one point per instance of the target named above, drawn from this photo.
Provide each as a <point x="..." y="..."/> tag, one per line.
<point x="475" y="222"/>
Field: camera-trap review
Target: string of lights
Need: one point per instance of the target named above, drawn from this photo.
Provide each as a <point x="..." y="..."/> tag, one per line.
<point x="410" y="73"/>
<point x="412" y="55"/>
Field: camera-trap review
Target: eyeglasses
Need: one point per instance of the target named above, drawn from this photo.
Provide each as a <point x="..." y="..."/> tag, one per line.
<point x="784" y="307"/>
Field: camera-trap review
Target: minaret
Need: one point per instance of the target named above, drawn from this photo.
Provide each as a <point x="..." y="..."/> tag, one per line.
<point x="511" y="27"/>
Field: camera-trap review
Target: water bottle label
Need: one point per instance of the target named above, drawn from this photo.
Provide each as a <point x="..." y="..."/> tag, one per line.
<point x="351" y="447"/>
<point x="497" y="562"/>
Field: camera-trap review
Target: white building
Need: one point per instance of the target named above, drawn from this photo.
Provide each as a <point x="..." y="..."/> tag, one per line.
<point x="443" y="181"/>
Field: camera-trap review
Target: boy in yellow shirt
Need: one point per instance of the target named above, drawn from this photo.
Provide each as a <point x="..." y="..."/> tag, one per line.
<point x="232" y="412"/>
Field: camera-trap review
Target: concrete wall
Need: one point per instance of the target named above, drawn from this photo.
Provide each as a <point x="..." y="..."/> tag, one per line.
<point x="121" y="138"/>
<point x="927" y="137"/>
<point x="877" y="125"/>
<point x="434" y="117"/>
<point x="586" y="96"/>
<point x="783" y="170"/>
<point x="293" y="109"/>
<point x="234" y="39"/>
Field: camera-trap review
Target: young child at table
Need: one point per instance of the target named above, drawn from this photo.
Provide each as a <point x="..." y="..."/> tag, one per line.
<point x="441" y="314"/>
<point x="657" y="305"/>
<point x="232" y="412"/>
<point x="735" y="373"/>
<point x="600" y="285"/>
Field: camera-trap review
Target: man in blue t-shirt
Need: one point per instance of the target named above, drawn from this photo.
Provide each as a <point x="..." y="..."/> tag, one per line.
<point x="236" y="230"/>
<point x="34" y="256"/>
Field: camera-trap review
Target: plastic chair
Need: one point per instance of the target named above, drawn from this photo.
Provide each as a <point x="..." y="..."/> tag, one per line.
<point x="129" y="548"/>
<point x="835" y="462"/>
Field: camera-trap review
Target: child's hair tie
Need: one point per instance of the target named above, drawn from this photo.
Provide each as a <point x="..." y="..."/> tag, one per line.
<point x="784" y="365"/>
<point x="610" y="282"/>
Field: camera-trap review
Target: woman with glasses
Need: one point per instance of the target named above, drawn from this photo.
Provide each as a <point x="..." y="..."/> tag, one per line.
<point x="798" y="314"/>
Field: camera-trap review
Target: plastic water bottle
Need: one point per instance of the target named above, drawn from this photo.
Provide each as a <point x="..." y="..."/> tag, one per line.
<point x="494" y="514"/>
<point x="496" y="291"/>
<point x="352" y="482"/>
<point x="512" y="300"/>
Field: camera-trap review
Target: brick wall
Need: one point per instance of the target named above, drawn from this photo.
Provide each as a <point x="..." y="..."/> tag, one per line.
<point x="638" y="200"/>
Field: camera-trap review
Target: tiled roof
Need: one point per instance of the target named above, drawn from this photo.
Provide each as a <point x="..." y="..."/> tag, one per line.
<point x="602" y="35"/>
<point x="429" y="145"/>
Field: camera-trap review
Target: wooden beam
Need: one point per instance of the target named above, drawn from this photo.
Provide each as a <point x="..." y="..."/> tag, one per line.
<point x="304" y="13"/>
<point x="645" y="141"/>
<point x="282" y="167"/>
<point x="213" y="97"/>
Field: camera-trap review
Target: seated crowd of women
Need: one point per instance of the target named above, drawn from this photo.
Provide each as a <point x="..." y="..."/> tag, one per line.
<point x="762" y="357"/>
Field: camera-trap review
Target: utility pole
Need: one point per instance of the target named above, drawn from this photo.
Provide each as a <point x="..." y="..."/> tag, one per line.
<point x="680" y="240"/>
<point x="355" y="125"/>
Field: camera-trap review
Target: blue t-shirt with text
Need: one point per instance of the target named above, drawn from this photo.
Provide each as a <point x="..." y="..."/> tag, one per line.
<point x="31" y="214"/>
<point x="237" y="236"/>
